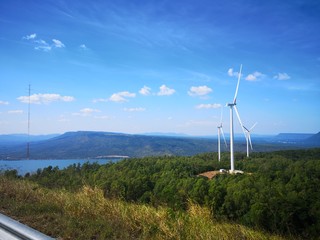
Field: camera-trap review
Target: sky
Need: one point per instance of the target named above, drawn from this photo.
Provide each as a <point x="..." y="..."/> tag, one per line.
<point x="159" y="66"/>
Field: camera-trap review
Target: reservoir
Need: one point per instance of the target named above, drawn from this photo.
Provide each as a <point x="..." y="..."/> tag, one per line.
<point x="31" y="166"/>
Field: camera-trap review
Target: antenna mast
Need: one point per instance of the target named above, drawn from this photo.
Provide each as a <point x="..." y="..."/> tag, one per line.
<point x="28" y="143"/>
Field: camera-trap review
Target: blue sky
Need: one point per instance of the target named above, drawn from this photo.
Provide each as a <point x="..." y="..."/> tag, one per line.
<point x="159" y="66"/>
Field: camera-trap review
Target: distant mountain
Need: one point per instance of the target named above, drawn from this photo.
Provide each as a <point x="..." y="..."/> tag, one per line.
<point x="298" y="139"/>
<point x="20" y="138"/>
<point x="84" y="144"/>
<point x="100" y="144"/>
<point x="314" y="138"/>
<point x="166" y="134"/>
<point x="293" y="136"/>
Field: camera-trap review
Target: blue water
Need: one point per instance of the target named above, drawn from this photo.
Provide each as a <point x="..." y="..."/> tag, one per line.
<point x="31" y="166"/>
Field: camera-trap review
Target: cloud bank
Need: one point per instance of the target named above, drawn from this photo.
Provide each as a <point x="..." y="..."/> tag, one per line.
<point x="45" y="98"/>
<point x="199" y="91"/>
<point x="256" y="76"/>
<point x="121" y="96"/>
<point x="282" y="76"/>
<point x="145" y="91"/>
<point x="208" y="106"/>
<point x="166" y="91"/>
<point x="4" y="103"/>
<point x="41" y="44"/>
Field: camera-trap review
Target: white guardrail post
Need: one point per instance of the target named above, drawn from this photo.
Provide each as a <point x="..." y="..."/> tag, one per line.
<point x="12" y="230"/>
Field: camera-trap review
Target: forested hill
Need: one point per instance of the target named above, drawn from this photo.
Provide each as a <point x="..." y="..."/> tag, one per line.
<point x="314" y="138"/>
<point x="278" y="192"/>
<point x="96" y="144"/>
<point x="87" y="144"/>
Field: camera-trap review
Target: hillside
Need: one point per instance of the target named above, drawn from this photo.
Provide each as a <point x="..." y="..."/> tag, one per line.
<point x="314" y="138"/>
<point x="96" y="144"/>
<point x="61" y="214"/>
<point x="23" y="138"/>
<point x="278" y="194"/>
<point x="87" y="144"/>
<point x="292" y="137"/>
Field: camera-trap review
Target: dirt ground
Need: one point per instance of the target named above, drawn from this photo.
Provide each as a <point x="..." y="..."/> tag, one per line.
<point x="210" y="174"/>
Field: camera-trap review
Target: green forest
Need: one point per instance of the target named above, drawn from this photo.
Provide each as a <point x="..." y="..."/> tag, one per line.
<point x="278" y="192"/>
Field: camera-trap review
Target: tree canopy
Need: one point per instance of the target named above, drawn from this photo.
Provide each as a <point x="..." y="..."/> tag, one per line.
<point x="279" y="191"/>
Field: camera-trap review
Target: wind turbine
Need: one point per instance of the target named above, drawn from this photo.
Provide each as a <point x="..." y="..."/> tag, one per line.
<point x="245" y="130"/>
<point x="220" y="131"/>
<point x="248" y="137"/>
<point x="233" y="105"/>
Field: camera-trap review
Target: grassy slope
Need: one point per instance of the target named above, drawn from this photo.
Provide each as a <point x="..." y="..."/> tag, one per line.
<point x="88" y="215"/>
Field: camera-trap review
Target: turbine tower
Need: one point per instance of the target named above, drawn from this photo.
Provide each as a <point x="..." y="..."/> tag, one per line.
<point x="248" y="137"/>
<point x="233" y="105"/>
<point x="220" y="132"/>
<point x="28" y="143"/>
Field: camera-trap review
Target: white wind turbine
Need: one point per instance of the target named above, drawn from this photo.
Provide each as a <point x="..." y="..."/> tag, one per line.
<point x="220" y="132"/>
<point x="248" y="137"/>
<point x="233" y="105"/>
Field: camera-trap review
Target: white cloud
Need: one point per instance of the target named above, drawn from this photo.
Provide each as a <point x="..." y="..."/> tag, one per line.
<point x="139" y="109"/>
<point x="83" y="46"/>
<point x="282" y="76"/>
<point x="86" y="112"/>
<point x="45" y="98"/>
<point x="57" y="43"/>
<point x="100" y="100"/>
<point x="231" y="73"/>
<point x="15" y="111"/>
<point x="89" y="110"/>
<point x="208" y="106"/>
<point x="165" y="91"/>
<point x="31" y="36"/>
<point x="43" y="48"/>
<point x="4" y="103"/>
<point x="42" y="44"/>
<point x="256" y="76"/>
<point x="199" y="91"/>
<point x="145" y="91"/>
<point x="121" y="96"/>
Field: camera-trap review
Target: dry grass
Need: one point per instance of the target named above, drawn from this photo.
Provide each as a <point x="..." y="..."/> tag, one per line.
<point x="88" y="215"/>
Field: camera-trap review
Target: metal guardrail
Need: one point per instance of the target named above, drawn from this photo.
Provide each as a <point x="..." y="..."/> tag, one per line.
<point x="13" y="230"/>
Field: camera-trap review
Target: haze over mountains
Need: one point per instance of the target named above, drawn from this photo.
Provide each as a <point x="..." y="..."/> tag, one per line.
<point x="87" y="144"/>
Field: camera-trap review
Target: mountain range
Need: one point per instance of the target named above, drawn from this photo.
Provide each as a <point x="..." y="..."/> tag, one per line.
<point x="88" y="144"/>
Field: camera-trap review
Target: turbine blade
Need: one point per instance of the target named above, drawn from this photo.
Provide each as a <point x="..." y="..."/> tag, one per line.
<point x="242" y="127"/>
<point x="246" y="129"/>
<point x="236" y="93"/>
<point x="253" y="126"/>
<point x="250" y="141"/>
<point x="224" y="139"/>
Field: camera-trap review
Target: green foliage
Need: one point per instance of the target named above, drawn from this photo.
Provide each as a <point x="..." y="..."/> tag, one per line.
<point x="86" y="214"/>
<point x="279" y="191"/>
<point x="11" y="173"/>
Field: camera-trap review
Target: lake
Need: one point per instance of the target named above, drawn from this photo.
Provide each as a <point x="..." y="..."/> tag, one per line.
<point x="31" y="166"/>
